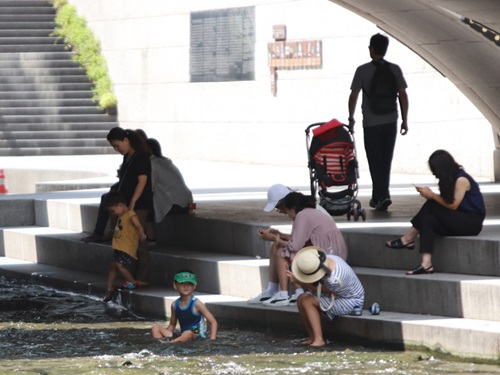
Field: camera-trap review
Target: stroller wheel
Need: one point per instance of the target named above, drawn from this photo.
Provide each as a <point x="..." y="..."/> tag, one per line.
<point x="349" y="215"/>
<point x="355" y="215"/>
<point x="363" y="214"/>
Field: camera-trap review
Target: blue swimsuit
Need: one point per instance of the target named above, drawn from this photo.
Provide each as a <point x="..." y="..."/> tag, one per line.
<point x="188" y="319"/>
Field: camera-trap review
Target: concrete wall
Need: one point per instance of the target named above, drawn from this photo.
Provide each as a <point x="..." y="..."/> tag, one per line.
<point x="146" y="44"/>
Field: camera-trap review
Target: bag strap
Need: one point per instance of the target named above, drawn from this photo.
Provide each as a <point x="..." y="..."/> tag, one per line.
<point x="318" y="294"/>
<point x="122" y="178"/>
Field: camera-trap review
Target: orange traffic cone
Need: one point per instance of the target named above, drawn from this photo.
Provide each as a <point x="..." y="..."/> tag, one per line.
<point x="3" y="188"/>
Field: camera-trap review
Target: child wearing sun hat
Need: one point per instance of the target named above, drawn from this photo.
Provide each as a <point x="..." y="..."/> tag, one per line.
<point x="333" y="289"/>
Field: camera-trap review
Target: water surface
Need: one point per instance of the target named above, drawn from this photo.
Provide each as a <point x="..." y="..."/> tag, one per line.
<point x="46" y="331"/>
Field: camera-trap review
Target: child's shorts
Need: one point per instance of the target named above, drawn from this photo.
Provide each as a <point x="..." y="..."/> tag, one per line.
<point x="199" y="333"/>
<point x="122" y="258"/>
<point x="341" y="306"/>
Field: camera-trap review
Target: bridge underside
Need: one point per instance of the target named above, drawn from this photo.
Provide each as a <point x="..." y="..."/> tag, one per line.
<point x="458" y="37"/>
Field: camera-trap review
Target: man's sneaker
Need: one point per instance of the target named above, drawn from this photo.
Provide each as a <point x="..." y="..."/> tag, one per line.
<point x="383" y="205"/>
<point x="278" y="300"/>
<point x="264" y="296"/>
<point x="128" y="285"/>
<point x="110" y="294"/>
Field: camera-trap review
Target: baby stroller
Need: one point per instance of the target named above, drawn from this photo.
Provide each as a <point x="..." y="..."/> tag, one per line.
<point x="332" y="163"/>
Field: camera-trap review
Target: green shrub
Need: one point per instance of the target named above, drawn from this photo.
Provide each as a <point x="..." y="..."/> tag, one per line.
<point x="59" y="3"/>
<point x="73" y="31"/>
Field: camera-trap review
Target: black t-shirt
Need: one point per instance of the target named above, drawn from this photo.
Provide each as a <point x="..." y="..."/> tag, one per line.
<point x="138" y="165"/>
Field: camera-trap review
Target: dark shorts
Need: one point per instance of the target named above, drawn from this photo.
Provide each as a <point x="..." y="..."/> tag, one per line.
<point x="122" y="258"/>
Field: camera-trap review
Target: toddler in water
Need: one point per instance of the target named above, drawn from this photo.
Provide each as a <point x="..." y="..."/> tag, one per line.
<point x="189" y="311"/>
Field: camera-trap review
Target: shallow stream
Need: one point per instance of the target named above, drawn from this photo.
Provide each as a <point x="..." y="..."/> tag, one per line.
<point x="46" y="331"/>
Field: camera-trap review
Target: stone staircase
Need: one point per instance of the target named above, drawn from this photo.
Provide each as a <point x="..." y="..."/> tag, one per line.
<point x="46" y="105"/>
<point x="454" y="311"/>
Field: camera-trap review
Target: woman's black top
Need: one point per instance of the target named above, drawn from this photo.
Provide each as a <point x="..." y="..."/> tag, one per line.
<point x="138" y="165"/>
<point x="473" y="199"/>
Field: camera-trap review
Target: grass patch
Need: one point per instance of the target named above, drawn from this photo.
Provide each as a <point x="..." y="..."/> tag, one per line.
<point x="73" y="31"/>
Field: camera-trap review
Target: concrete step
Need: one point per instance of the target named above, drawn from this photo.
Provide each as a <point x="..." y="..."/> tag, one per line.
<point x="10" y="23"/>
<point x="14" y="87"/>
<point x="54" y="143"/>
<point x="32" y="17"/>
<point x="32" y="60"/>
<point x="42" y="71"/>
<point x="42" y="80"/>
<point x="27" y="40"/>
<point x="68" y="126"/>
<point x="476" y="255"/>
<point x="451" y="295"/>
<point x="47" y="119"/>
<point x="58" y="150"/>
<point x="225" y="232"/>
<point x="230" y="227"/>
<point x="38" y="64"/>
<point x="36" y="56"/>
<point x="465" y="338"/>
<point x="15" y="96"/>
<point x="46" y="103"/>
<point x="444" y="294"/>
<point x="26" y="33"/>
<point x="61" y="248"/>
<point x="24" y="3"/>
<point x="28" y="10"/>
<point x="50" y="111"/>
<point x="32" y="48"/>
<point x="54" y="135"/>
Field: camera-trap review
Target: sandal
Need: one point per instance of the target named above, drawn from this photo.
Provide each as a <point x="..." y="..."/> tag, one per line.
<point x="302" y="342"/>
<point x="419" y="270"/>
<point x="398" y="244"/>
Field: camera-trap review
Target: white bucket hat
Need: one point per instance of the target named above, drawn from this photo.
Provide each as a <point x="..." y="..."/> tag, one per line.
<point x="276" y="193"/>
<point x="308" y="265"/>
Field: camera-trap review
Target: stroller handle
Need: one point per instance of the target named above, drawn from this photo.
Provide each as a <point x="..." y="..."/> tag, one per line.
<point x="308" y="129"/>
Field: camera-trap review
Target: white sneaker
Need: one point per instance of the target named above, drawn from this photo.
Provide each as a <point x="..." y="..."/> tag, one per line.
<point x="293" y="299"/>
<point x="264" y="296"/>
<point x="277" y="300"/>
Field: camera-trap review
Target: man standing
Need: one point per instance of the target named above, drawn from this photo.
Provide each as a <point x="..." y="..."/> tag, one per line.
<point x="382" y="84"/>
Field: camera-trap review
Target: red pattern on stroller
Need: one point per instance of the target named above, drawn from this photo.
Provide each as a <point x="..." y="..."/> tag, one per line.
<point x="332" y="163"/>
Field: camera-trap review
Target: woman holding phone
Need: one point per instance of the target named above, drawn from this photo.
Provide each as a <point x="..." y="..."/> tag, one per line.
<point x="458" y="210"/>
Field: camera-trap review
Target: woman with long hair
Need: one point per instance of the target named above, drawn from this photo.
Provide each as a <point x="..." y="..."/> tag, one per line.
<point x="458" y="210"/>
<point x="134" y="182"/>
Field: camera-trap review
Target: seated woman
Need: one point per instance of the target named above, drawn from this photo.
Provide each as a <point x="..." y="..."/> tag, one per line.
<point x="311" y="226"/>
<point x="171" y="196"/>
<point x="458" y="210"/>
<point x="341" y="293"/>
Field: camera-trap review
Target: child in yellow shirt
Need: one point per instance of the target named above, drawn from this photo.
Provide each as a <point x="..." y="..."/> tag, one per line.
<point x="126" y="236"/>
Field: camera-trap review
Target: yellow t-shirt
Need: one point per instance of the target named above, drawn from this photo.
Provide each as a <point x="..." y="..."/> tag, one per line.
<point x="125" y="235"/>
